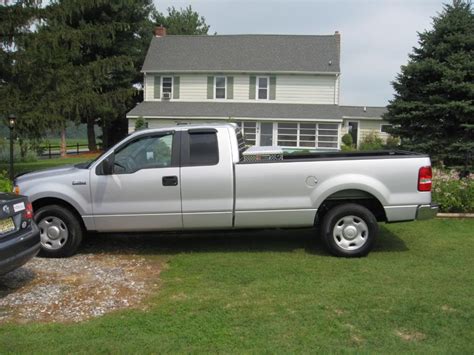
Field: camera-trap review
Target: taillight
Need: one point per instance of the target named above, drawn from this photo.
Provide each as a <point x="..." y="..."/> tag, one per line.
<point x="424" y="178"/>
<point x="28" y="213"/>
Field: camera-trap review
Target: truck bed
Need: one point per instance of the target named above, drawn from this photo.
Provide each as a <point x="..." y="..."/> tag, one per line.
<point x="324" y="156"/>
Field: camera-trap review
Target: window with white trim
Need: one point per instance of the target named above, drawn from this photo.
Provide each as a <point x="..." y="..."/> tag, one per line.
<point x="308" y="135"/>
<point x="167" y="87"/>
<point x="262" y="87"/>
<point x="328" y="135"/>
<point x="249" y="131"/>
<point x="385" y="127"/>
<point x="220" y="83"/>
<point x="287" y="134"/>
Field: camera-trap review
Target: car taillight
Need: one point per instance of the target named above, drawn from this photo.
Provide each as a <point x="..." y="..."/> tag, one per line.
<point x="28" y="213"/>
<point x="424" y="178"/>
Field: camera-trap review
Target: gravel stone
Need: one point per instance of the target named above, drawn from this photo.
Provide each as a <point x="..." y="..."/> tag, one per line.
<point x="76" y="288"/>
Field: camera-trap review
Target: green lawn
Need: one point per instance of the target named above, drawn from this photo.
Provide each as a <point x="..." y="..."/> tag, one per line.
<point x="279" y="291"/>
<point x="44" y="164"/>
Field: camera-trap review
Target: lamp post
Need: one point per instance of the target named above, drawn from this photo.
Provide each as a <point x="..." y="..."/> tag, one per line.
<point x="11" y="125"/>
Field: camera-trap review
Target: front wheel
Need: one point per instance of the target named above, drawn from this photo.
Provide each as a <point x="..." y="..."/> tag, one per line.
<point x="60" y="230"/>
<point x="349" y="230"/>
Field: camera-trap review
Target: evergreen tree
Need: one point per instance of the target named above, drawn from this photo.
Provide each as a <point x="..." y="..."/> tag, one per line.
<point x="16" y="21"/>
<point x="182" y="22"/>
<point x="433" y="108"/>
<point x="96" y="50"/>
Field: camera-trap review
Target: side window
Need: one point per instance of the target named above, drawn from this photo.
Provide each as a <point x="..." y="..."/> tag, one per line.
<point x="220" y="87"/>
<point x="144" y="153"/>
<point x="167" y="87"/>
<point x="203" y="149"/>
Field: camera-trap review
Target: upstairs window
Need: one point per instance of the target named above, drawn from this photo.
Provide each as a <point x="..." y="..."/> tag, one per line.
<point x="262" y="87"/>
<point x="167" y="87"/>
<point x="220" y="83"/>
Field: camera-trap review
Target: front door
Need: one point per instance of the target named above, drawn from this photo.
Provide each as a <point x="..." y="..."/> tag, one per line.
<point x="353" y="128"/>
<point x="266" y="134"/>
<point x="143" y="193"/>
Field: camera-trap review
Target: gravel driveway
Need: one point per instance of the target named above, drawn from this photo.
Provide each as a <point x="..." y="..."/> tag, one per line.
<point x="102" y="278"/>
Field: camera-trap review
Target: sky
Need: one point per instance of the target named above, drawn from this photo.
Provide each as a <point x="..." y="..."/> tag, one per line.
<point x="376" y="35"/>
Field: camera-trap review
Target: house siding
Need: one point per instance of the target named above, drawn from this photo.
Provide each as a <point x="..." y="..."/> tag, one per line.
<point x="149" y="87"/>
<point x="311" y="89"/>
<point x="365" y="127"/>
<point x="315" y="89"/>
<point x="193" y="87"/>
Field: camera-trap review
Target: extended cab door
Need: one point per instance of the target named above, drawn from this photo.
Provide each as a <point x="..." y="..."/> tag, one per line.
<point x="143" y="191"/>
<point x="207" y="186"/>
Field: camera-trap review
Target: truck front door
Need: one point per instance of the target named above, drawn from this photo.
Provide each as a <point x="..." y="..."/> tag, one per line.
<point x="143" y="191"/>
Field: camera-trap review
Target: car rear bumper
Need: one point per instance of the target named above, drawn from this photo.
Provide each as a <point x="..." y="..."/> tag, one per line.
<point x="426" y="211"/>
<point x="17" y="251"/>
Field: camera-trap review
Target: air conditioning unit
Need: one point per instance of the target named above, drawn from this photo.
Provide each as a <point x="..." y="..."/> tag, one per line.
<point x="166" y="95"/>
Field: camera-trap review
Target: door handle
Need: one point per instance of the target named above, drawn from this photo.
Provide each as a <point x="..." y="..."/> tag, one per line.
<point x="170" y="180"/>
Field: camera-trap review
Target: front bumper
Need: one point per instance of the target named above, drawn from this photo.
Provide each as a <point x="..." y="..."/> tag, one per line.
<point x="17" y="251"/>
<point x="426" y="211"/>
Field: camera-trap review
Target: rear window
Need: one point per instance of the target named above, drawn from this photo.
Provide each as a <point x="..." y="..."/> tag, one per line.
<point x="203" y="149"/>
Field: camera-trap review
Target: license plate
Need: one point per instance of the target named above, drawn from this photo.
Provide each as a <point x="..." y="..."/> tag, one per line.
<point x="6" y="225"/>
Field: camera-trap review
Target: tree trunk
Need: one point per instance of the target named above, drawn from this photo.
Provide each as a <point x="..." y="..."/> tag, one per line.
<point x="91" y="142"/>
<point x="63" y="149"/>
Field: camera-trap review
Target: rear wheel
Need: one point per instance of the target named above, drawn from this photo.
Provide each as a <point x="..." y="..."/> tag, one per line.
<point x="349" y="230"/>
<point x="60" y="230"/>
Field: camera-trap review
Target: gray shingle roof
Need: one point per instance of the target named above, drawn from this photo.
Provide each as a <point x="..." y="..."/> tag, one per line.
<point x="247" y="110"/>
<point x="244" y="53"/>
<point x="358" y="111"/>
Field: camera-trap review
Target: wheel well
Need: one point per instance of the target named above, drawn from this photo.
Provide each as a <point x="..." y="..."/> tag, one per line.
<point x="359" y="197"/>
<point x="57" y="201"/>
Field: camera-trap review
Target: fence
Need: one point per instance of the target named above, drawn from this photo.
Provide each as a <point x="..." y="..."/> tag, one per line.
<point x="50" y="150"/>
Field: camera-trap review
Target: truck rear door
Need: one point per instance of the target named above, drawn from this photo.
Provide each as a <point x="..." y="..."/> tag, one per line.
<point x="207" y="186"/>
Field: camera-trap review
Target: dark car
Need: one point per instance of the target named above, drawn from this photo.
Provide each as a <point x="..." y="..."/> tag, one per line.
<point x="19" y="235"/>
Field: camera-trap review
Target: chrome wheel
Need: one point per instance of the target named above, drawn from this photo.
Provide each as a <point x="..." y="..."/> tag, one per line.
<point x="54" y="232"/>
<point x="350" y="233"/>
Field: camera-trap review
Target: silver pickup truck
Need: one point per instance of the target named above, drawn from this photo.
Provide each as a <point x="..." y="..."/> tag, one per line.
<point x="196" y="178"/>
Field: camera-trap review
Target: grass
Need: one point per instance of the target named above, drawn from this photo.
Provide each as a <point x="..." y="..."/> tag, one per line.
<point x="279" y="291"/>
<point x="47" y="163"/>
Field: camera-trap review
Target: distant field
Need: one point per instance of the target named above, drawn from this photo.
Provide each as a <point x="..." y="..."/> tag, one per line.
<point x="69" y="141"/>
<point x="48" y="163"/>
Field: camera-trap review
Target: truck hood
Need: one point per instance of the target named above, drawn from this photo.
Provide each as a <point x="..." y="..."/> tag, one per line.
<point x="52" y="172"/>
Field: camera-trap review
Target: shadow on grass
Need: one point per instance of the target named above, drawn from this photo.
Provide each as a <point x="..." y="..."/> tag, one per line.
<point x="224" y="241"/>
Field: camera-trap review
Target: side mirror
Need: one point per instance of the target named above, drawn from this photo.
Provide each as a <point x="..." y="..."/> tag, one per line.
<point x="108" y="165"/>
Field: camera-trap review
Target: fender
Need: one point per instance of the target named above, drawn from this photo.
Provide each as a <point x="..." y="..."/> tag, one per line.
<point x="350" y="181"/>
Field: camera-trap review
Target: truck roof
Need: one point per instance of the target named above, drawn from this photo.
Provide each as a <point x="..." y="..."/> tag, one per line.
<point x="185" y="127"/>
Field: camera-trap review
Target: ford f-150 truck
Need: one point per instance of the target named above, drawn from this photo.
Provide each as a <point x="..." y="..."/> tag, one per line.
<point x="196" y="178"/>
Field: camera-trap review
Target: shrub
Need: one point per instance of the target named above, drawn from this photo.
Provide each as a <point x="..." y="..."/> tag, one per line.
<point x="5" y="184"/>
<point x="452" y="193"/>
<point x="347" y="139"/>
<point x="392" y="142"/>
<point x="140" y="123"/>
<point x="371" y="141"/>
<point x="29" y="156"/>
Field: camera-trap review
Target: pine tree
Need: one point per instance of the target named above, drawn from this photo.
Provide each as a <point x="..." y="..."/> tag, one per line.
<point x="433" y="108"/>
<point x="182" y="22"/>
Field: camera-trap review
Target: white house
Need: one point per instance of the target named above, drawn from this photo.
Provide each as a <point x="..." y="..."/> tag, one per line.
<point x="281" y="89"/>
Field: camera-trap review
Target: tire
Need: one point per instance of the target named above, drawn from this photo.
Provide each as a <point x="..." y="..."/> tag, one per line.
<point x="349" y="230"/>
<point x="61" y="231"/>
